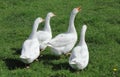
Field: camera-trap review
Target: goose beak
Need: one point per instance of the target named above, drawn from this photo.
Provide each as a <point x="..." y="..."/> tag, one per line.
<point x="78" y="8"/>
<point x="43" y="20"/>
<point x="54" y="15"/>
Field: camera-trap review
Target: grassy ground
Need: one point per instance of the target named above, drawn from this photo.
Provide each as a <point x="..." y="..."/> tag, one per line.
<point x="103" y="36"/>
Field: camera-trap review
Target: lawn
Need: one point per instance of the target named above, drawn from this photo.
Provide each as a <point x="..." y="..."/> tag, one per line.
<point x="103" y="37"/>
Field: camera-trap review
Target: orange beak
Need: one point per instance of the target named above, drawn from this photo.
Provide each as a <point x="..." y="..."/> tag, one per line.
<point x="78" y="8"/>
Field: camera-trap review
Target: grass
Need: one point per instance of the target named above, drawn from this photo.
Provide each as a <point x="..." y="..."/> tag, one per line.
<point x="103" y="37"/>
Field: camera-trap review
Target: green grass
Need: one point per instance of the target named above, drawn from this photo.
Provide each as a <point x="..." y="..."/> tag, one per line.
<point x="103" y="36"/>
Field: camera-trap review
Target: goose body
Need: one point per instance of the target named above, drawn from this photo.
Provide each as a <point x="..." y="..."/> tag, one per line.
<point x="30" y="48"/>
<point x="64" y="42"/>
<point x="80" y="56"/>
<point x="30" y="51"/>
<point x="45" y="35"/>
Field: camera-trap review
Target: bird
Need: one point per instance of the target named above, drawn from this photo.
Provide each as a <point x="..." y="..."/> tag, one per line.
<point x="45" y="35"/>
<point x="64" y="42"/>
<point x="30" y="48"/>
<point x="79" y="57"/>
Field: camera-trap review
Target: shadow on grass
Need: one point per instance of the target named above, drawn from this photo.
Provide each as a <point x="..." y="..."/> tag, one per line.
<point x="118" y="41"/>
<point x="60" y="66"/>
<point x="17" y="51"/>
<point x="63" y="66"/>
<point x="48" y="57"/>
<point x="47" y="60"/>
<point x="13" y="64"/>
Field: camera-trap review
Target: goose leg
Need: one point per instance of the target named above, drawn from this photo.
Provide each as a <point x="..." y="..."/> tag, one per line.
<point x="41" y="49"/>
<point x="68" y="54"/>
<point x="27" y="66"/>
<point x="77" y="72"/>
<point x="36" y="59"/>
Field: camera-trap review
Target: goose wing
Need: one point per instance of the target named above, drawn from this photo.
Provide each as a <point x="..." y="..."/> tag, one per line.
<point x="43" y="36"/>
<point x="75" y="53"/>
<point x="61" y="40"/>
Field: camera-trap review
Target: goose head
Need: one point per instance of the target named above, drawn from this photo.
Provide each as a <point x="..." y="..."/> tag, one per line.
<point x="51" y="14"/>
<point x="84" y="27"/>
<point x="76" y="10"/>
<point x="82" y="36"/>
<point x="39" y="20"/>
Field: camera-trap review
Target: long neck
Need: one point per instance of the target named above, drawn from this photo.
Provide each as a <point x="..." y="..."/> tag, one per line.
<point x="34" y="30"/>
<point x="47" y="24"/>
<point x="71" y="23"/>
<point x="82" y="36"/>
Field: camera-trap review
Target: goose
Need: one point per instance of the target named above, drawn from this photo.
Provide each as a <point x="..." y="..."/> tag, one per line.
<point x="64" y="42"/>
<point x="46" y="34"/>
<point x="80" y="56"/>
<point x="30" y="48"/>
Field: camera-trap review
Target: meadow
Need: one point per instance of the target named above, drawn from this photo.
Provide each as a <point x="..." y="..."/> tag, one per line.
<point x="103" y="37"/>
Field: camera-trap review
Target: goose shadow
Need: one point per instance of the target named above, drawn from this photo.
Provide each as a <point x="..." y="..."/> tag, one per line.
<point x="58" y="66"/>
<point x="48" y="57"/>
<point x="17" y="50"/>
<point x="13" y="64"/>
<point x="63" y="66"/>
<point x="118" y="41"/>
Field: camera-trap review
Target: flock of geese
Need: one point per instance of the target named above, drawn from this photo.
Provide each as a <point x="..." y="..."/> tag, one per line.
<point x="61" y="44"/>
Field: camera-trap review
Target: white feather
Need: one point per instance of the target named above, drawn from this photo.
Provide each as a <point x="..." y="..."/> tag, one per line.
<point x="45" y="35"/>
<point x="30" y="48"/>
<point x="64" y="42"/>
<point x="80" y="56"/>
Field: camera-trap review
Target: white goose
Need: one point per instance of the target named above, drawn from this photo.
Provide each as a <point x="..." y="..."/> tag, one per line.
<point x="45" y="35"/>
<point x="30" y="49"/>
<point x="64" y="42"/>
<point x="80" y="55"/>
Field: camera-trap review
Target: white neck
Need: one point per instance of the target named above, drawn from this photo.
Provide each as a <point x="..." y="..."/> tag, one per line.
<point x="34" y="30"/>
<point x="47" y="24"/>
<point x="82" y="36"/>
<point x="71" y="27"/>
